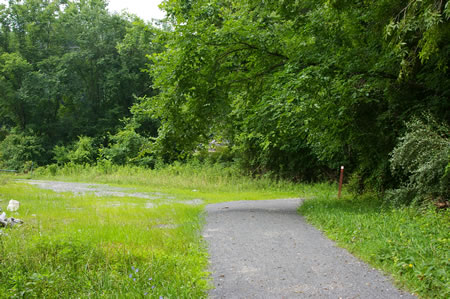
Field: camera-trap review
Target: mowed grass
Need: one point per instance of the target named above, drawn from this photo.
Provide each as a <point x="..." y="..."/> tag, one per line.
<point x="410" y="243"/>
<point x="120" y="247"/>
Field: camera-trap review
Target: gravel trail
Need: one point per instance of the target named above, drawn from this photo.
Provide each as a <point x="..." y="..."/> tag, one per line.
<point x="265" y="249"/>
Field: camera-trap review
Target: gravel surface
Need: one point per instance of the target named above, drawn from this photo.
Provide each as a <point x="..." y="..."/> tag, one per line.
<point x="265" y="249"/>
<point x="104" y="190"/>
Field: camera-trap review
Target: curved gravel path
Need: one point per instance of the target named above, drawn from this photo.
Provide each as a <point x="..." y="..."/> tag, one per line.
<point x="265" y="249"/>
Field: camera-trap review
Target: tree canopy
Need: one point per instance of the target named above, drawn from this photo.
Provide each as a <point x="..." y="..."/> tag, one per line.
<point x="293" y="88"/>
<point x="296" y="86"/>
<point x="70" y="68"/>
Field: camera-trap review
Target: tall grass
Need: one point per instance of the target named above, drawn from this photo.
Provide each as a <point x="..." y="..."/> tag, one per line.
<point x="85" y="246"/>
<point x="213" y="182"/>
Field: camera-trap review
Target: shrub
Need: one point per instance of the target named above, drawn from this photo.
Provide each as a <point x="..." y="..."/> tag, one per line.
<point x="420" y="159"/>
<point x="219" y="154"/>
<point x="53" y="169"/>
<point x="61" y="155"/>
<point x="17" y="151"/>
<point x="125" y="148"/>
<point x="84" y="151"/>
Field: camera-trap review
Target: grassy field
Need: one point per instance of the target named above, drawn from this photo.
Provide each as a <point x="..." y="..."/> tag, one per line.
<point x="80" y="246"/>
<point x="412" y="244"/>
<point x="102" y="246"/>
<point x="91" y="246"/>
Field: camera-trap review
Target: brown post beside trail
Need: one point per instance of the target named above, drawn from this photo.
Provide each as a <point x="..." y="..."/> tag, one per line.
<point x="341" y="178"/>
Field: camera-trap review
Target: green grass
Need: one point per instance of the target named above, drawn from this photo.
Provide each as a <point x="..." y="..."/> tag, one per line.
<point x="87" y="246"/>
<point x="213" y="183"/>
<point x="411" y="244"/>
<point x="80" y="246"/>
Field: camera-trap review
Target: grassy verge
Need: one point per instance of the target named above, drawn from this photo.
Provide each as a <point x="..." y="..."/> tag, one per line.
<point x="89" y="246"/>
<point x="411" y="244"/>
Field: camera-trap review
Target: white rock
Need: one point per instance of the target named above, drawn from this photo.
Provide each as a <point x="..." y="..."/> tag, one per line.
<point x="13" y="205"/>
<point x="3" y="221"/>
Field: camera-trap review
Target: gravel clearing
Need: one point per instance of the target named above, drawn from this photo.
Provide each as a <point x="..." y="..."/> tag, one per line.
<point x="103" y="190"/>
<point x="265" y="249"/>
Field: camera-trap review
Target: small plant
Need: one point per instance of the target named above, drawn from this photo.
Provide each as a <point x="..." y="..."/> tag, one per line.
<point x="142" y="281"/>
<point x="53" y="169"/>
<point x="421" y="159"/>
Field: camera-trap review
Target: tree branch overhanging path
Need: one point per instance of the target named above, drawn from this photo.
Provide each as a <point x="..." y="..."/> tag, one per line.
<point x="265" y="249"/>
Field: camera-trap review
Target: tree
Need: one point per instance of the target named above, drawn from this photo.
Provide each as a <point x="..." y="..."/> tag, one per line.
<point x="70" y="68"/>
<point x="13" y="72"/>
<point x="294" y="84"/>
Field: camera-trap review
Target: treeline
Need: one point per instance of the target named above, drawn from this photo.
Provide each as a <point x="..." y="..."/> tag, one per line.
<point x="69" y="73"/>
<point x="291" y="88"/>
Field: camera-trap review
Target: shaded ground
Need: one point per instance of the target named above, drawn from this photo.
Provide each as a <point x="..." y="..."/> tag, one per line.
<point x="265" y="249"/>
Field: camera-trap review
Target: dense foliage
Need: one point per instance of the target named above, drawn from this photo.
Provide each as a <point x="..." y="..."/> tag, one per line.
<point x="298" y="85"/>
<point x="423" y="157"/>
<point x="69" y="69"/>
<point x="291" y="88"/>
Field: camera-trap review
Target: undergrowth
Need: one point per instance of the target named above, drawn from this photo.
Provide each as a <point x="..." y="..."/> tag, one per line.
<point x="410" y="243"/>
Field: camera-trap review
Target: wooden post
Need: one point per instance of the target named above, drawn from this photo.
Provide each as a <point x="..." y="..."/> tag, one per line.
<point x="341" y="178"/>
